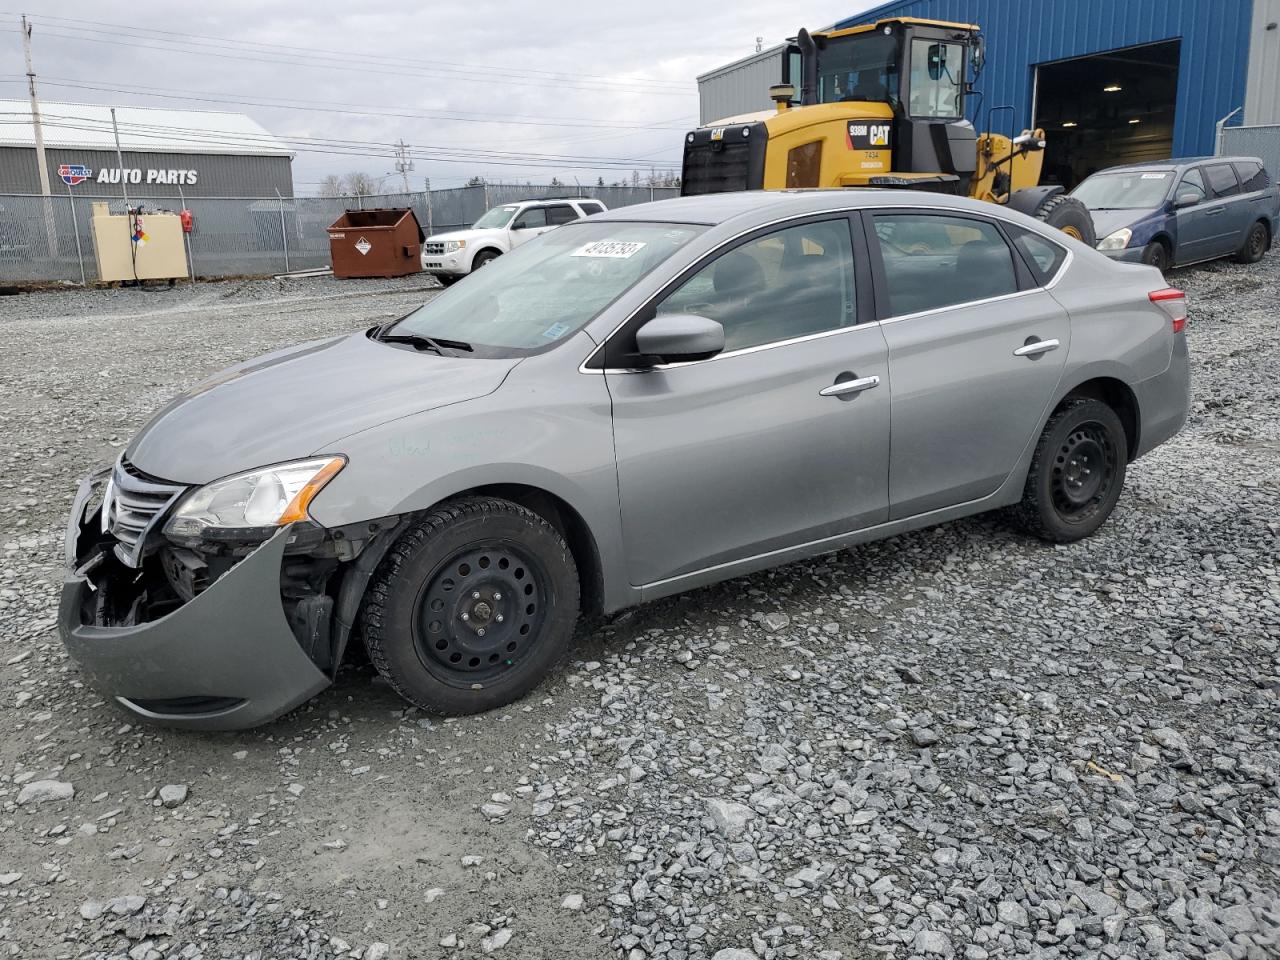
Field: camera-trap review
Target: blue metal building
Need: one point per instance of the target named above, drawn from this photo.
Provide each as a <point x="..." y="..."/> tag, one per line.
<point x="1110" y="80"/>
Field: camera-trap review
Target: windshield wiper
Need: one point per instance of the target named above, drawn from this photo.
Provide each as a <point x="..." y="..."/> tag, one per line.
<point x="435" y="344"/>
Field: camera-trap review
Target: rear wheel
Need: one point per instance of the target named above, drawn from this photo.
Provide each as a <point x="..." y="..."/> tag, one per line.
<point x="1156" y="255"/>
<point x="1077" y="472"/>
<point x="472" y="607"/>
<point x="1068" y="215"/>
<point x="1255" y="244"/>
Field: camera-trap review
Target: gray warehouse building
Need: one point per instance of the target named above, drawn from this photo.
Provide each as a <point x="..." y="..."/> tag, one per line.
<point x="165" y="152"/>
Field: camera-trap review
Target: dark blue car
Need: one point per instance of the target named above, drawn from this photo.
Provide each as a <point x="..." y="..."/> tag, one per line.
<point x="1175" y="212"/>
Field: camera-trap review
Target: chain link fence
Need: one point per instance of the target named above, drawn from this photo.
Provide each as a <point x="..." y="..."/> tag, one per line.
<point x="49" y="239"/>
<point x="1261" y="141"/>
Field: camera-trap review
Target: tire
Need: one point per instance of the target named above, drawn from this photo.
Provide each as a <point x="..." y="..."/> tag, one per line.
<point x="1068" y="215"/>
<point x="468" y="562"/>
<point x="1077" y="472"/>
<point x="1255" y="244"/>
<point x="1156" y="254"/>
<point x="484" y="257"/>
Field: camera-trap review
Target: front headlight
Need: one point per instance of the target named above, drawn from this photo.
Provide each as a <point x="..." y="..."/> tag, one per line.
<point x="1116" y="241"/>
<point x="257" y="499"/>
<point x="453" y="246"/>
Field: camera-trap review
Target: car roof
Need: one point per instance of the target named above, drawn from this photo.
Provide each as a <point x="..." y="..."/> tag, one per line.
<point x="1181" y="163"/>
<point x="746" y="208"/>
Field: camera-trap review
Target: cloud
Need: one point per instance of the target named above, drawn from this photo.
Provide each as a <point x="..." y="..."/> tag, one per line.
<point x="608" y="85"/>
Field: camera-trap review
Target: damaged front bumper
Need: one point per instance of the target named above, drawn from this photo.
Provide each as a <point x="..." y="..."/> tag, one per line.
<point x="227" y="658"/>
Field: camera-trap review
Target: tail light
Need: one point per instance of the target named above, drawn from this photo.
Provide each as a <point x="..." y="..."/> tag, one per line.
<point x="1174" y="303"/>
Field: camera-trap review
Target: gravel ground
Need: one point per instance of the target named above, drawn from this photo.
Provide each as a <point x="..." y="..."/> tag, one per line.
<point x="955" y="743"/>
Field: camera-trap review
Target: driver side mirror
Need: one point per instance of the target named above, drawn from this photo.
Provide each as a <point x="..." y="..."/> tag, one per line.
<point x="978" y="54"/>
<point x="1186" y="198"/>
<point x="679" y="338"/>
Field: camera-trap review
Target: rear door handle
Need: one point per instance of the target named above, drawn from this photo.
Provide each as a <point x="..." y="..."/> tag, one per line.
<point x="844" y="388"/>
<point x="1036" y="347"/>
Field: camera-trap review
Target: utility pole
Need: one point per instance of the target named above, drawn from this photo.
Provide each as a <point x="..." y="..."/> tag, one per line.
<point x="403" y="164"/>
<point x="35" y="109"/>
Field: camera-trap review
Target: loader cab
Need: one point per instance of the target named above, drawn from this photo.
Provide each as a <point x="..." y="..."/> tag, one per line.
<point x="920" y="69"/>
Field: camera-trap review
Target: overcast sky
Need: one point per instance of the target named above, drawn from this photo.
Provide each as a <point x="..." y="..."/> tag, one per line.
<point x="581" y="80"/>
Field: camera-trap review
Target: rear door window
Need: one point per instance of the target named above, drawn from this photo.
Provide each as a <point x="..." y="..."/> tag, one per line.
<point x="933" y="261"/>
<point x="1252" y="176"/>
<point x="561" y="213"/>
<point x="1222" y="180"/>
<point x="588" y="208"/>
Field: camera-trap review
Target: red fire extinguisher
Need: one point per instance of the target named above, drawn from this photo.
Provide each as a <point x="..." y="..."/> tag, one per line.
<point x="185" y="215"/>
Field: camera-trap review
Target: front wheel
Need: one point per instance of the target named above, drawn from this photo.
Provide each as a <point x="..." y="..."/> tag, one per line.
<point x="1156" y="254"/>
<point x="483" y="258"/>
<point x="1254" y="246"/>
<point x="472" y="607"/>
<point x="1076" y="474"/>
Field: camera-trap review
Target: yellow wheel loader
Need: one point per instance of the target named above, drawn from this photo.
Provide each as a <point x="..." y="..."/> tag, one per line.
<point x="881" y="105"/>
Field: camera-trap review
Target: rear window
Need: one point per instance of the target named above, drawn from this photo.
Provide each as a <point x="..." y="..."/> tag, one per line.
<point x="1222" y="180"/>
<point x="1044" y="257"/>
<point x="1252" y="175"/>
<point x="589" y="208"/>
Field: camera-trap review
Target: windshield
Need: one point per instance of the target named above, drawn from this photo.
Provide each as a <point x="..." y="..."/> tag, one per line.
<point x="497" y="217"/>
<point x="861" y="67"/>
<point x="1133" y="190"/>
<point x="548" y="288"/>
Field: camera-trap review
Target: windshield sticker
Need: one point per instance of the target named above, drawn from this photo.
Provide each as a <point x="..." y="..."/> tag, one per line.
<point x="1154" y="176"/>
<point x="610" y="249"/>
<point x="557" y="330"/>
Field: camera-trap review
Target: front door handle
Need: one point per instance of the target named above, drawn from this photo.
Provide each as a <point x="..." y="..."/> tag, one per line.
<point x="845" y="388"/>
<point x="1036" y="347"/>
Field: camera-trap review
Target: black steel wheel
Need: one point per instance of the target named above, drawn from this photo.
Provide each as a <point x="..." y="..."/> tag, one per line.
<point x="1076" y="474"/>
<point x="480" y="612"/>
<point x="1255" y="244"/>
<point x="1156" y="254"/>
<point x="472" y="606"/>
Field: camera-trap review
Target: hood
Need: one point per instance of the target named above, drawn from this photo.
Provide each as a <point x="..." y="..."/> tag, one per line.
<point x="1107" y="222"/>
<point x="300" y="401"/>
<point x="467" y="234"/>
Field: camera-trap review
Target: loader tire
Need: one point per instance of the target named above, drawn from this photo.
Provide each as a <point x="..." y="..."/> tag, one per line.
<point x="1068" y="215"/>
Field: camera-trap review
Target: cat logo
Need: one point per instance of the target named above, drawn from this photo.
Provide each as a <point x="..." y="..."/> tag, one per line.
<point x="717" y="134"/>
<point x="867" y="136"/>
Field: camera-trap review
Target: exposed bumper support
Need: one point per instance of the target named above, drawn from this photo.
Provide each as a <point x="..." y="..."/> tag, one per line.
<point x="225" y="660"/>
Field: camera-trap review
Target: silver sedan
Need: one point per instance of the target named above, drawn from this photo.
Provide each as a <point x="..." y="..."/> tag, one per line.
<point x="637" y="404"/>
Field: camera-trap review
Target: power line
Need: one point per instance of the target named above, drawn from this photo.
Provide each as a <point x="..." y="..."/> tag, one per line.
<point x="346" y="64"/>
<point x="207" y="135"/>
<point x="197" y="138"/>
<point x="345" y="55"/>
<point x="320" y="106"/>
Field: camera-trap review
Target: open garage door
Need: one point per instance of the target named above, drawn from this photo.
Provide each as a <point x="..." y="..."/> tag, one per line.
<point x="1107" y="108"/>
